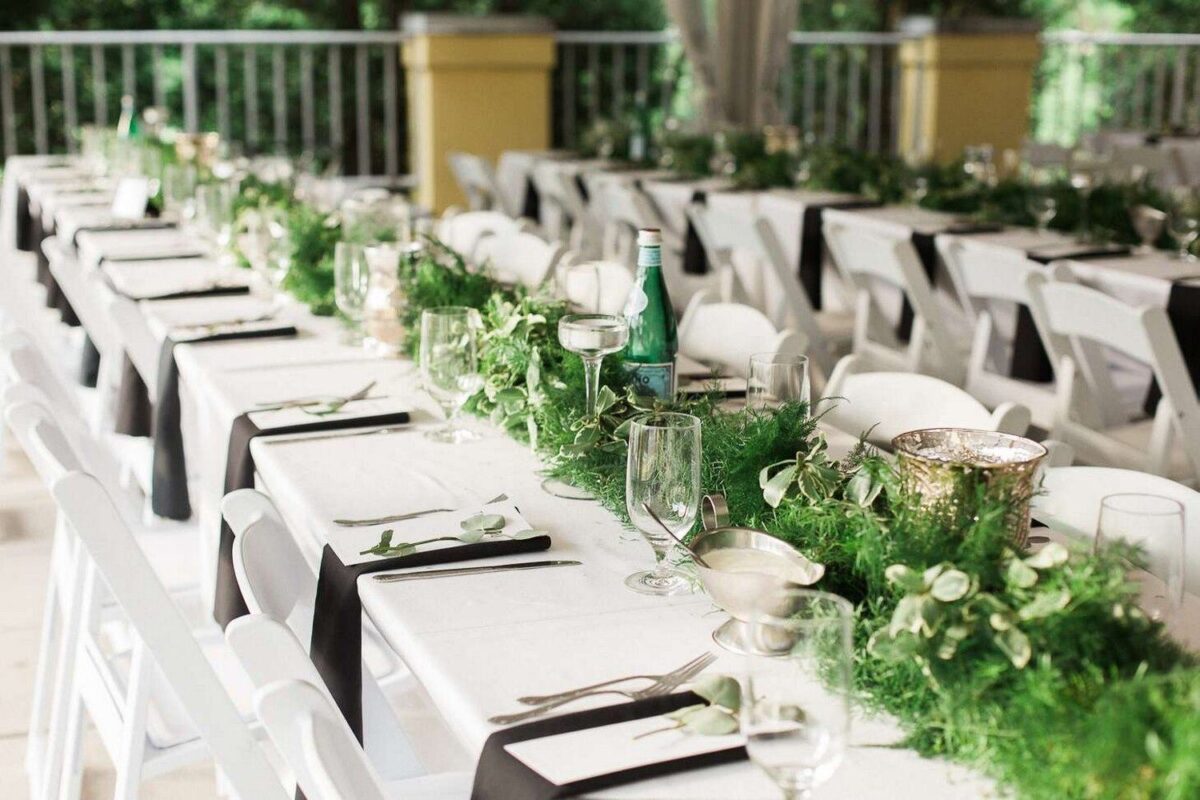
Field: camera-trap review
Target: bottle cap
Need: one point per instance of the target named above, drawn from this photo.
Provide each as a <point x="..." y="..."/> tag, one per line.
<point x="651" y="237"/>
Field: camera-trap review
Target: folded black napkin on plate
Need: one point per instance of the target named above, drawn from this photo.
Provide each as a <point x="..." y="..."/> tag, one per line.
<point x="336" y="647"/>
<point x="1183" y="309"/>
<point x="1083" y="250"/>
<point x="239" y="474"/>
<point x="502" y="776"/>
<point x="927" y="253"/>
<point x="812" y="245"/>
<point x="24" y="220"/>
<point x="189" y="294"/>
<point x="695" y="260"/>
<point x="168" y="488"/>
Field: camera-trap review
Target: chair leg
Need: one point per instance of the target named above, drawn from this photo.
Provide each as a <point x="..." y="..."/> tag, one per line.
<point x="133" y="738"/>
<point x="66" y="702"/>
<point x="50" y="655"/>
<point x="69" y="778"/>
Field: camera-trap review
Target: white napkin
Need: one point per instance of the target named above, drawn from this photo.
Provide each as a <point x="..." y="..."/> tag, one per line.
<point x="185" y="334"/>
<point x="140" y="280"/>
<point x="348" y="543"/>
<point x="588" y="753"/>
<point x="124" y="245"/>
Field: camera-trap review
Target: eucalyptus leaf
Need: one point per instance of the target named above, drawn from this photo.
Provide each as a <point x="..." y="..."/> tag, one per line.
<point x="471" y="537"/>
<point x="907" y="616"/>
<point x="1051" y="555"/>
<point x="484" y="523"/>
<point x="863" y="488"/>
<point x="720" y="690"/>
<point x="681" y="714"/>
<point x="1020" y="574"/>
<point x="777" y="486"/>
<point x="905" y="578"/>
<point x="531" y="533"/>
<point x="950" y="586"/>
<point x="1015" y="644"/>
<point x="1045" y="605"/>
<point x="711" y="721"/>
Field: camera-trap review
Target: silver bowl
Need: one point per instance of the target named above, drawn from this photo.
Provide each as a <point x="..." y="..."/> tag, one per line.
<point x="748" y="596"/>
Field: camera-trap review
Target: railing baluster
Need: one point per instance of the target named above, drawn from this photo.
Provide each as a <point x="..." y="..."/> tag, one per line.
<point x="642" y="68"/>
<point x="1160" y="85"/>
<point x="191" y="115"/>
<point x="11" y="146"/>
<point x="279" y="96"/>
<point x="156" y="64"/>
<point x="894" y="85"/>
<point x="128" y="79"/>
<point x="568" y="90"/>
<point x="1121" y="69"/>
<point x="875" y="99"/>
<point x="308" y="116"/>
<point x="1196" y="89"/>
<point x="854" y="99"/>
<point x="250" y="89"/>
<point x="99" y="86"/>
<point x="831" y="93"/>
<point x="336" y="136"/>
<point x="594" y="72"/>
<point x="37" y="87"/>
<point x="391" y="155"/>
<point x="618" y="80"/>
<point x="1137" y="113"/>
<point x="787" y="93"/>
<point x="221" y="62"/>
<point x="1179" y="75"/>
<point x="917" y="134"/>
<point x="810" y="90"/>
<point x="70" y="108"/>
<point x="362" y="131"/>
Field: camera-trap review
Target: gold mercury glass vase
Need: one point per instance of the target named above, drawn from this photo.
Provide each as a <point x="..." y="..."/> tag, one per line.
<point x="944" y="464"/>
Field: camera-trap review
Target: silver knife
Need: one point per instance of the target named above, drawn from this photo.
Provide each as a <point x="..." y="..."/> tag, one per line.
<point x="341" y="433"/>
<point x="450" y="573"/>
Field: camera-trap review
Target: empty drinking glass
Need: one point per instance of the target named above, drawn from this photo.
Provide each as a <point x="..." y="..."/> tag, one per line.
<point x="1042" y="207"/>
<point x="775" y="379"/>
<point x="796" y="705"/>
<point x="1154" y="524"/>
<point x="351" y="279"/>
<point x="448" y="366"/>
<point x="1184" y="228"/>
<point x="663" y="472"/>
<point x="179" y="191"/>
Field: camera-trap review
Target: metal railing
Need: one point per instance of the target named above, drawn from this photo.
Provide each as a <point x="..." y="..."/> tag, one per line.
<point x="1142" y="82"/>
<point x="284" y="91"/>
<point x="838" y="86"/>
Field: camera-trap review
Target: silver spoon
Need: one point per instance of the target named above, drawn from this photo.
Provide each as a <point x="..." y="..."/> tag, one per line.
<point x="699" y="558"/>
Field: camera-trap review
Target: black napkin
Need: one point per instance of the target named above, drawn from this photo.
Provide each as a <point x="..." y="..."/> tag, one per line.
<point x="501" y="776"/>
<point x="1183" y="309"/>
<point x="927" y="253"/>
<point x="134" y="413"/>
<point x="531" y="204"/>
<point x="212" y="291"/>
<point x="695" y="260"/>
<point x="812" y="245"/>
<point x="239" y="474"/>
<point x="336" y="647"/>
<point x="89" y="363"/>
<point x="168" y="489"/>
<point x="24" y="220"/>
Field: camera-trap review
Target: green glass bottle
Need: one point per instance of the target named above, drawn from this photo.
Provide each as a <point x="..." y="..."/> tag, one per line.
<point x="649" y="356"/>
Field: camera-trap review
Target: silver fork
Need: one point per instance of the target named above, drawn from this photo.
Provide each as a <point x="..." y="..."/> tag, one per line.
<point x="660" y="687"/>
<point x="540" y="699"/>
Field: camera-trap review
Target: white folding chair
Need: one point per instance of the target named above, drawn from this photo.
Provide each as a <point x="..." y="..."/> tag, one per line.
<point x="871" y="256"/>
<point x="164" y="701"/>
<point x="598" y="287"/>
<point x="318" y="745"/>
<point x="1093" y="323"/>
<point x="477" y="179"/>
<point x="1071" y="496"/>
<point x="463" y="231"/>
<point x="725" y="335"/>
<point x="1042" y="155"/>
<point x="518" y="258"/>
<point x="992" y="282"/>
<point x="567" y="214"/>
<point x="1161" y="165"/>
<point x="886" y="404"/>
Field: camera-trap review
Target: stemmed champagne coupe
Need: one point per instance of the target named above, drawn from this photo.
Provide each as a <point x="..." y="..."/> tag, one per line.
<point x="662" y="475"/>
<point x="795" y="710"/>
<point x="1042" y="207"/>
<point x="448" y="366"/>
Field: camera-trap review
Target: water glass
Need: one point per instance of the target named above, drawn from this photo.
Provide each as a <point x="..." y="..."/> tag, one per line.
<point x="1042" y="207"/>
<point x="214" y="208"/>
<point x="448" y="366"/>
<point x="1154" y="524"/>
<point x="662" y="472"/>
<point x="796" y="704"/>
<point x="179" y="191"/>
<point x="351" y="279"/>
<point x="775" y="379"/>
<point x="1184" y="229"/>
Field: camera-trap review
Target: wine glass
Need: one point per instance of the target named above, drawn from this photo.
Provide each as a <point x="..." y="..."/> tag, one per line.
<point x="1043" y="207"/>
<point x="1155" y="525"/>
<point x="1086" y="168"/>
<point x="795" y="710"/>
<point x="214" y="206"/>
<point x="351" y="278"/>
<point x="775" y="379"/>
<point x="448" y="366"/>
<point x="592" y="336"/>
<point x="179" y="191"/>
<point x="1148" y="223"/>
<point x="662" y="473"/>
<point x="1184" y="229"/>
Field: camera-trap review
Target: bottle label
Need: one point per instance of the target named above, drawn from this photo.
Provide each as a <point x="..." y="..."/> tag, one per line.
<point x="649" y="256"/>
<point x="652" y="379"/>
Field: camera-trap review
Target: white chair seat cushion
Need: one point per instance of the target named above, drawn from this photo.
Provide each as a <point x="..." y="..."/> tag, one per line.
<point x="446" y="786"/>
<point x="836" y="325"/>
<point x="171" y="551"/>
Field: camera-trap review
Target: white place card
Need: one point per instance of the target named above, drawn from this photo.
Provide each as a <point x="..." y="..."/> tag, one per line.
<point x="348" y="543"/>
<point x="130" y="198"/>
<point x="579" y="755"/>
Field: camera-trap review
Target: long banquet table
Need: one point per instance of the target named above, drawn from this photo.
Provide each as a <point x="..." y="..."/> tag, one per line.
<point x="474" y="643"/>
